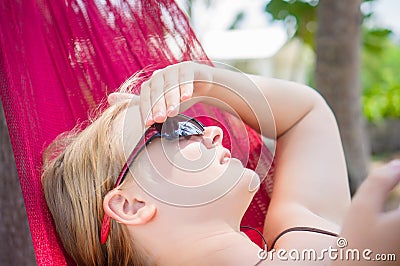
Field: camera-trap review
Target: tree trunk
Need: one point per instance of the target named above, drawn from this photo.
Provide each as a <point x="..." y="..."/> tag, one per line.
<point x="16" y="243"/>
<point x="338" y="78"/>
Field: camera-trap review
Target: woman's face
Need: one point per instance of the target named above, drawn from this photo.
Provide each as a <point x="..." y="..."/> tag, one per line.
<point x="189" y="172"/>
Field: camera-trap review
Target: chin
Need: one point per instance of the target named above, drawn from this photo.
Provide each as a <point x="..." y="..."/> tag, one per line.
<point x="249" y="181"/>
<point x="246" y="188"/>
<point x="254" y="180"/>
<point x="244" y="192"/>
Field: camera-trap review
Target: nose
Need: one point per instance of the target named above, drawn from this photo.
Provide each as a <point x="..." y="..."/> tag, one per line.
<point x="212" y="136"/>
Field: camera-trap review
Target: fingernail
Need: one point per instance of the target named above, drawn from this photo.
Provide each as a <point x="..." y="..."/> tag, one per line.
<point x="185" y="96"/>
<point x="159" y="115"/>
<point x="171" y="109"/>
<point x="149" y="121"/>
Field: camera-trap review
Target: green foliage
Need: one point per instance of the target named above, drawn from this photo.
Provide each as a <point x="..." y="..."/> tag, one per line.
<point x="381" y="83"/>
<point x="375" y="40"/>
<point x="299" y="17"/>
<point x="380" y="57"/>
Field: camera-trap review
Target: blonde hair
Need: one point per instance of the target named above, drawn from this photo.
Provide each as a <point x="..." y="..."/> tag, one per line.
<point x="79" y="168"/>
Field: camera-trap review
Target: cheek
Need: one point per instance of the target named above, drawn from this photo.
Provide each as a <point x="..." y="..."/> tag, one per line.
<point x="189" y="151"/>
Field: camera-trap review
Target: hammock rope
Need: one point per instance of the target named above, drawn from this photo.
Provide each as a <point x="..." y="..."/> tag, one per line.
<point x="59" y="60"/>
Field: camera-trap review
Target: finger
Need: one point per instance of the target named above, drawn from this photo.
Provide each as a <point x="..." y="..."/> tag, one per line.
<point x="157" y="97"/>
<point x="117" y="97"/>
<point x="378" y="185"/>
<point x="186" y="77"/>
<point x="172" y="91"/>
<point x="145" y="105"/>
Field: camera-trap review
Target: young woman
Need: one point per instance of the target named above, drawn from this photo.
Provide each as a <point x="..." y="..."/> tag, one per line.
<point x="145" y="185"/>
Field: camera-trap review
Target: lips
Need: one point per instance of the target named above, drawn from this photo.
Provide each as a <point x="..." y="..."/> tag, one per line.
<point x="225" y="156"/>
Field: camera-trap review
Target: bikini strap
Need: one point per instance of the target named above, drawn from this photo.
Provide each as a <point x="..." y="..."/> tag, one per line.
<point x="302" y="229"/>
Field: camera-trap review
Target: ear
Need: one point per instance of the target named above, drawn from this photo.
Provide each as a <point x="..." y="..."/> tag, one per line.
<point x="127" y="209"/>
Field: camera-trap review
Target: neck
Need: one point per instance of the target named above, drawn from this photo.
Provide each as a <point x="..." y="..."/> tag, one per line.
<point x="201" y="246"/>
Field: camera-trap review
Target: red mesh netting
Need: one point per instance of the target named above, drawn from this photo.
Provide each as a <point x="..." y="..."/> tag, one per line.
<point x="59" y="59"/>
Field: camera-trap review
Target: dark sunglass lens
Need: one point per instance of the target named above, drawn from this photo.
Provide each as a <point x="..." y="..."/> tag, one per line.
<point x="188" y="128"/>
<point x="179" y="126"/>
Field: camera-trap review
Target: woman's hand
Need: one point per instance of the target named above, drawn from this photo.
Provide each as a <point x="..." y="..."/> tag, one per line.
<point x="162" y="94"/>
<point x="367" y="226"/>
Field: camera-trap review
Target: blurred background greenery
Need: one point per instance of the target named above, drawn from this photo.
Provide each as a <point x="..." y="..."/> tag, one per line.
<point x="380" y="77"/>
<point x="380" y="48"/>
<point x="380" y="56"/>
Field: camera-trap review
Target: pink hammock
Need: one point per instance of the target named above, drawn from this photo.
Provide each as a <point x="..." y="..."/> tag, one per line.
<point x="59" y="59"/>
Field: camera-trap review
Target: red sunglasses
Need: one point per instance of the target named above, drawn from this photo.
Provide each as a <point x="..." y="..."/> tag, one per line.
<point x="173" y="128"/>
